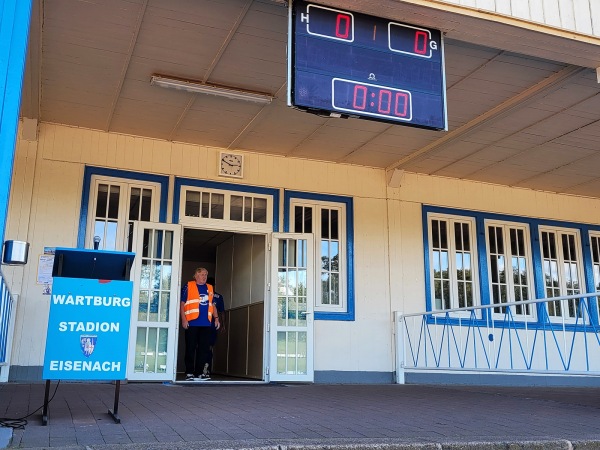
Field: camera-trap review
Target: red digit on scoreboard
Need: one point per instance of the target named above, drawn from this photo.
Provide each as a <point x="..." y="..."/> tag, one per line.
<point x="360" y="95"/>
<point x="342" y="26"/>
<point x="421" y="42"/>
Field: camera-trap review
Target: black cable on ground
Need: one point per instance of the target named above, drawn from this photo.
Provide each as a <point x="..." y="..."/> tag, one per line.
<point x="19" y="424"/>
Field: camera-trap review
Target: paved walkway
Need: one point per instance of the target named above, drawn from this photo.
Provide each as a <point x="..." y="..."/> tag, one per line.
<point x="169" y="416"/>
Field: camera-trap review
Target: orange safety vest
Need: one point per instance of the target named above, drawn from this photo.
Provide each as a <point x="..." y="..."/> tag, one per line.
<point x="191" y="308"/>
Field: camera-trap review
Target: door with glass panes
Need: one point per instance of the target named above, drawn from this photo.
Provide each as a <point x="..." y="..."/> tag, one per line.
<point x="292" y="303"/>
<point x="154" y="316"/>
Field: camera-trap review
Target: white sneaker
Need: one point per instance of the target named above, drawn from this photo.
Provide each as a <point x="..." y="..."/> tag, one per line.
<point x="189" y="377"/>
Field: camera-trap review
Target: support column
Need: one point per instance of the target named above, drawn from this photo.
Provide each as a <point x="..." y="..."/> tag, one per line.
<point x="15" y="17"/>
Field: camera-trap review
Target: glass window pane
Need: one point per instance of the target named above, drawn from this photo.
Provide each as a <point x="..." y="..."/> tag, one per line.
<point x="301" y="352"/>
<point x="334" y="249"/>
<point x="143" y="306"/>
<point x="156" y="274"/>
<point x="291" y="257"/>
<point x="335" y="233"/>
<point x="99" y="228"/>
<point x="101" y="200"/>
<point x="217" y="206"/>
<point x="130" y="230"/>
<point x="298" y="222"/>
<point x="167" y="273"/>
<point x="281" y="352"/>
<point x="325" y="288"/>
<point x="247" y="209"/>
<point x="146" y="204"/>
<point x="151" y="350"/>
<point x="192" y="204"/>
<point x="235" y="209"/>
<point x="435" y="234"/>
<point x="335" y="288"/>
<point x="443" y="234"/>
<point x="165" y="301"/>
<point x="325" y="255"/>
<point x="140" y="350"/>
<point x="281" y="311"/>
<point x="161" y="359"/>
<point x="308" y="219"/>
<point x="153" y="307"/>
<point x="260" y="210"/>
<point x="110" y="238"/>
<point x="168" y="247"/>
<point x="157" y="244"/>
<point x="292" y="353"/>
<point x="113" y="202"/>
<point x="205" y="204"/>
<point x="134" y="203"/>
<point x="145" y="274"/>
<point x="325" y="223"/>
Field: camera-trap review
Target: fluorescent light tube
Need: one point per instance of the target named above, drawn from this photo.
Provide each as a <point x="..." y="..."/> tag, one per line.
<point x="210" y="89"/>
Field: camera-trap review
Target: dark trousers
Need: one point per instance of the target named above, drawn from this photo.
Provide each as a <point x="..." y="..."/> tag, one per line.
<point x="197" y="347"/>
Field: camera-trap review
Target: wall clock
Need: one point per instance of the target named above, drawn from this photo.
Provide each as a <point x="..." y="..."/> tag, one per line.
<point x="231" y="165"/>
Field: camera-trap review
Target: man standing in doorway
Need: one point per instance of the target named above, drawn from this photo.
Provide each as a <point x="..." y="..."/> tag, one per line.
<point x="197" y="312"/>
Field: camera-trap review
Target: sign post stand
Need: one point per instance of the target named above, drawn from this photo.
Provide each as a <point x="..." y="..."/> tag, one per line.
<point x="88" y="325"/>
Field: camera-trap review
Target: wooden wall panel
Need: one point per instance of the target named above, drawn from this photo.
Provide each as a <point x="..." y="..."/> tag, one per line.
<point x="238" y="342"/>
<point x="259" y="265"/>
<point x="242" y="270"/>
<point x="574" y="15"/>
<point x="256" y="316"/>
<point x="45" y="206"/>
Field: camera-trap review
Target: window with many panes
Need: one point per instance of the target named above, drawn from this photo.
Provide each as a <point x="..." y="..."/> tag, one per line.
<point x="595" y="247"/>
<point x="562" y="268"/>
<point x="453" y="259"/>
<point x="510" y="267"/>
<point x="327" y="222"/>
<point x="115" y="204"/>
<point x="207" y="205"/>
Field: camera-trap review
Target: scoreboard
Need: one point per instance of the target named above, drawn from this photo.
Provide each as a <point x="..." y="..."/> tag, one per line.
<point x="355" y="65"/>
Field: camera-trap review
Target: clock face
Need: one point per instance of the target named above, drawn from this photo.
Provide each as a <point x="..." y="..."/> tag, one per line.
<point x="231" y="165"/>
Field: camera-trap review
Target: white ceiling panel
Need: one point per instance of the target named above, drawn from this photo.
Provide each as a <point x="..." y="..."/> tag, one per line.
<point x="520" y="110"/>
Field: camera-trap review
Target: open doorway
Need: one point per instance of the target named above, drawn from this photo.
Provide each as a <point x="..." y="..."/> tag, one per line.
<point x="238" y="264"/>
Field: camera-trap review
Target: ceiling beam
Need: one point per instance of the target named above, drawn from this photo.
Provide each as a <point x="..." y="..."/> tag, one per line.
<point x="553" y="82"/>
<point x="32" y="78"/>
<point x="125" y="67"/>
<point x="211" y="68"/>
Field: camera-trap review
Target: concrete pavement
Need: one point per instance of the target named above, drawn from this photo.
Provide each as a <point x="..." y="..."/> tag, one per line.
<point x="274" y="416"/>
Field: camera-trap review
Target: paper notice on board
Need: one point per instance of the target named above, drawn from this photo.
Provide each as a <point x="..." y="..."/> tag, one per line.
<point x="44" y="273"/>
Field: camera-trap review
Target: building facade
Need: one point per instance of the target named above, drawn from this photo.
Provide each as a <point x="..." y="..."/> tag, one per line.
<point x="334" y="229"/>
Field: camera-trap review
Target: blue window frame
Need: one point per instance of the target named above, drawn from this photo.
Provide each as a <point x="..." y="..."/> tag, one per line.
<point x="574" y="243"/>
<point x="181" y="182"/>
<point x="326" y="247"/>
<point x="90" y="171"/>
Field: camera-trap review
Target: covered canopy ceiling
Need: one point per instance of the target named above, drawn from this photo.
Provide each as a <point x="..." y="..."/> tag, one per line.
<point x="523" y="105"/>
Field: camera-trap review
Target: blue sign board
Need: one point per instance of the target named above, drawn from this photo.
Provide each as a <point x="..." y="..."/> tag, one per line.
<point x="355" y="65"/>
<point x="88" y="329"/>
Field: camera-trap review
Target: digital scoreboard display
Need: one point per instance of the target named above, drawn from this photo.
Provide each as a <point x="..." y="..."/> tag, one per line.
<point x="355" y="65"/>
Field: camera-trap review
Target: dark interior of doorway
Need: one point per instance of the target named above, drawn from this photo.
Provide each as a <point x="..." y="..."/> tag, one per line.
<point x="237" y="261"/>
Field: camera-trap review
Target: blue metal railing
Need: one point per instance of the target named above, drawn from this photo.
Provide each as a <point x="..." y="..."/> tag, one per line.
<point x="501" y="338"/>
<point x="6" y="306"/>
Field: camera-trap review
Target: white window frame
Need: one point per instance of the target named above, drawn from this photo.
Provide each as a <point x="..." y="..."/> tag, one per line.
<point x="452" y="219"/>
<point x="318" y="206"/>
<point x="562" y="288"/>
<point x="595" y="258"/>
<point x="506" y="227"/>
<point x="225" y="223"/>
<point x="125" y="185"/>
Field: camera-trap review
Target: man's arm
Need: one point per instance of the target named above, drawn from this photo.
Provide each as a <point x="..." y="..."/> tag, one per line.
<point x="184" y="322"/>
